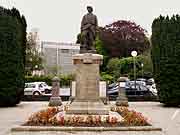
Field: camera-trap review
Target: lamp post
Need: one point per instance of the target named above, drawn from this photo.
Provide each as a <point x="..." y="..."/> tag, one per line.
<point x="36" y="69"/>
<point x="134" y="54"/>
<point x="142" y="65"/>
<point x="36" y="66"/>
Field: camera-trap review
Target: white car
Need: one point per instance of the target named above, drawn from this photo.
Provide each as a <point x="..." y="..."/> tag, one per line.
<point x="152" y="88"/>
<point x="36" y="88"/>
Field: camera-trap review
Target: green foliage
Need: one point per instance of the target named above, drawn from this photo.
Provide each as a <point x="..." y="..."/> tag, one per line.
<point x="117" y="67"/>
<point x="99" y="47"/>
<point x="101" y="50"/>
<point x="47" y="79"/>
<point x="114" y="67"/>
<point x="106" y="77"/>
<point x="12" y="55"/>
<point x="65" y="80"/>
<point x="166" y="58"/>
<point x="79" y="39"/>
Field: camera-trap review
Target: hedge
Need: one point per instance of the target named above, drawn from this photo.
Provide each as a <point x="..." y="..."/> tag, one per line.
<point x="166" y="58"/>
<point x="12" y="56"/>
<point x="65" y="80"/>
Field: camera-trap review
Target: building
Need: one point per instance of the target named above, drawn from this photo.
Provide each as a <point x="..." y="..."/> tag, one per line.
<point x="58" y="57"/>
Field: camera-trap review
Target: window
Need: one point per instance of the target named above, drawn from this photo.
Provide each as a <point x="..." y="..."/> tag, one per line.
<point x="31" y="86"/>
<point x="41" y="85"/>
<point x="65" y="50"/>
<point x="26" y="85"/>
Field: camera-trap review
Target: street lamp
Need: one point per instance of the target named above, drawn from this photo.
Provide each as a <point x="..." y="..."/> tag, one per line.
<point x="30" y="59"/>
<point x="36" y="69"/>
<point x="142" y="65"/>
<point x="134" y="54"/>
<point x="36" y="66"/>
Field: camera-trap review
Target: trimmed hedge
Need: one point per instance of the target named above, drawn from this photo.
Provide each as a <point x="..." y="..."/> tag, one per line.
<point x="65" y="80"/>
<point x="12" y="56"/>
<point x="166" y="58"/>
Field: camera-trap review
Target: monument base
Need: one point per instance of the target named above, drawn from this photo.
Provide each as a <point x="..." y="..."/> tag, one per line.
<point x="88" y="107"/>
<point x="55" y="101"/>
<point x="87" y="99"/>
<point x="122" y="101"/>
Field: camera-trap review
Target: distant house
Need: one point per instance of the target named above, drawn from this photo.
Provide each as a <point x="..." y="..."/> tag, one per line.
<point x="57" y="57"/>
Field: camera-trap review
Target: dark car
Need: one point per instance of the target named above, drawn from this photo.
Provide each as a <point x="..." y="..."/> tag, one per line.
<point x="140" y="90"/>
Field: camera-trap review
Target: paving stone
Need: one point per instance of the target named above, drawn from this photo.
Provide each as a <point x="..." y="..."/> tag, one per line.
<point x="159" y="115"/>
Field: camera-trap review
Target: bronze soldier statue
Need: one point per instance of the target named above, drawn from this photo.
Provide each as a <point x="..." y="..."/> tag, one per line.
<point x="89" y="26"/>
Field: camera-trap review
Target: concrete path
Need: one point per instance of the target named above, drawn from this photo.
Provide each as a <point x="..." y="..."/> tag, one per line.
<point x="12" y="116"/>
<point x="166" y="118"/>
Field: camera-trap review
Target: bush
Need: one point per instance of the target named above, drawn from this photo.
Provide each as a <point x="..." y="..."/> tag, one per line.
<point x="65" y="80"/>
<point x="107" y="77"/>
<point x="118" y="67"/>
<point x="166" y="58"/>
<point x="47" y="79"/>
<point x="12" y="55"/>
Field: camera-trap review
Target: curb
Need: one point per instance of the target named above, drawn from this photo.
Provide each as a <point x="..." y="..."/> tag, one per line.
<point x="50" y="128"/>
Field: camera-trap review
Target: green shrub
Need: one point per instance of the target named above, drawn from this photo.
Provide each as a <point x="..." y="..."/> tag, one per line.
<point x="47" y="79"/>
<point x="107" y="77"/>
<point x="166" y="58"/>
<point x="12" y="56"/>
<point x="117" y="67"/>
<point x="65" y="80"/>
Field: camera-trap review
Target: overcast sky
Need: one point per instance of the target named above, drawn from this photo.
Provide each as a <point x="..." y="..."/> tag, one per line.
<point x="59" y="20"/>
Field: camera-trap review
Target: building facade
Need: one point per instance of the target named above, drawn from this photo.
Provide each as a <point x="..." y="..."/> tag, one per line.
<point x="57" y="57"/>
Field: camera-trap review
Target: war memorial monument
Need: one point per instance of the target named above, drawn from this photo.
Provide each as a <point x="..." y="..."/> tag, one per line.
<point x="86" y="112"/>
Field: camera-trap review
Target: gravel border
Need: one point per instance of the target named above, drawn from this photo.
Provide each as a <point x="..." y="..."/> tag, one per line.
<point x="50" y="128"/>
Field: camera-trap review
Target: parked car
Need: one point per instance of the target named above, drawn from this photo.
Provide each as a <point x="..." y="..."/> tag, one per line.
<point x="63" y="91"/>
<point x="152" y="88"/>
<point x="37" y="88"/>
<point x="140" y="90"/>
<point x="150" y="81"/>
<point x="141" y="79"/>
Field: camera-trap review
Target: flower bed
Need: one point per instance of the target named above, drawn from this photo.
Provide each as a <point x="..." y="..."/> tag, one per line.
<point x="54" y="116"/>
<point x="43" y="116"/>
<point x="131" y="117"/>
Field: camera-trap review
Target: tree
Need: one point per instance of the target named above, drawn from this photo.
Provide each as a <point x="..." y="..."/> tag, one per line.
<point x="117" y="67"/>
<point x="33" y="56"/>
<point x="121" y="37"/>
<point x="12" y="54"/>
<point x="166" y="58"/>
<point x="101" y="50"/>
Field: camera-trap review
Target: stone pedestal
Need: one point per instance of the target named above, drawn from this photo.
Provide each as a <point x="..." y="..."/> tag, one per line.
<point x="103" y="92"/>
<point x="87" y="99"/>
<point x="55" y="99"/>
<point x="122" y="99"/>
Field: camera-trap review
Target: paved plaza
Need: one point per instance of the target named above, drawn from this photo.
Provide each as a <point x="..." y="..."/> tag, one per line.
<point x="166" y="118"/>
